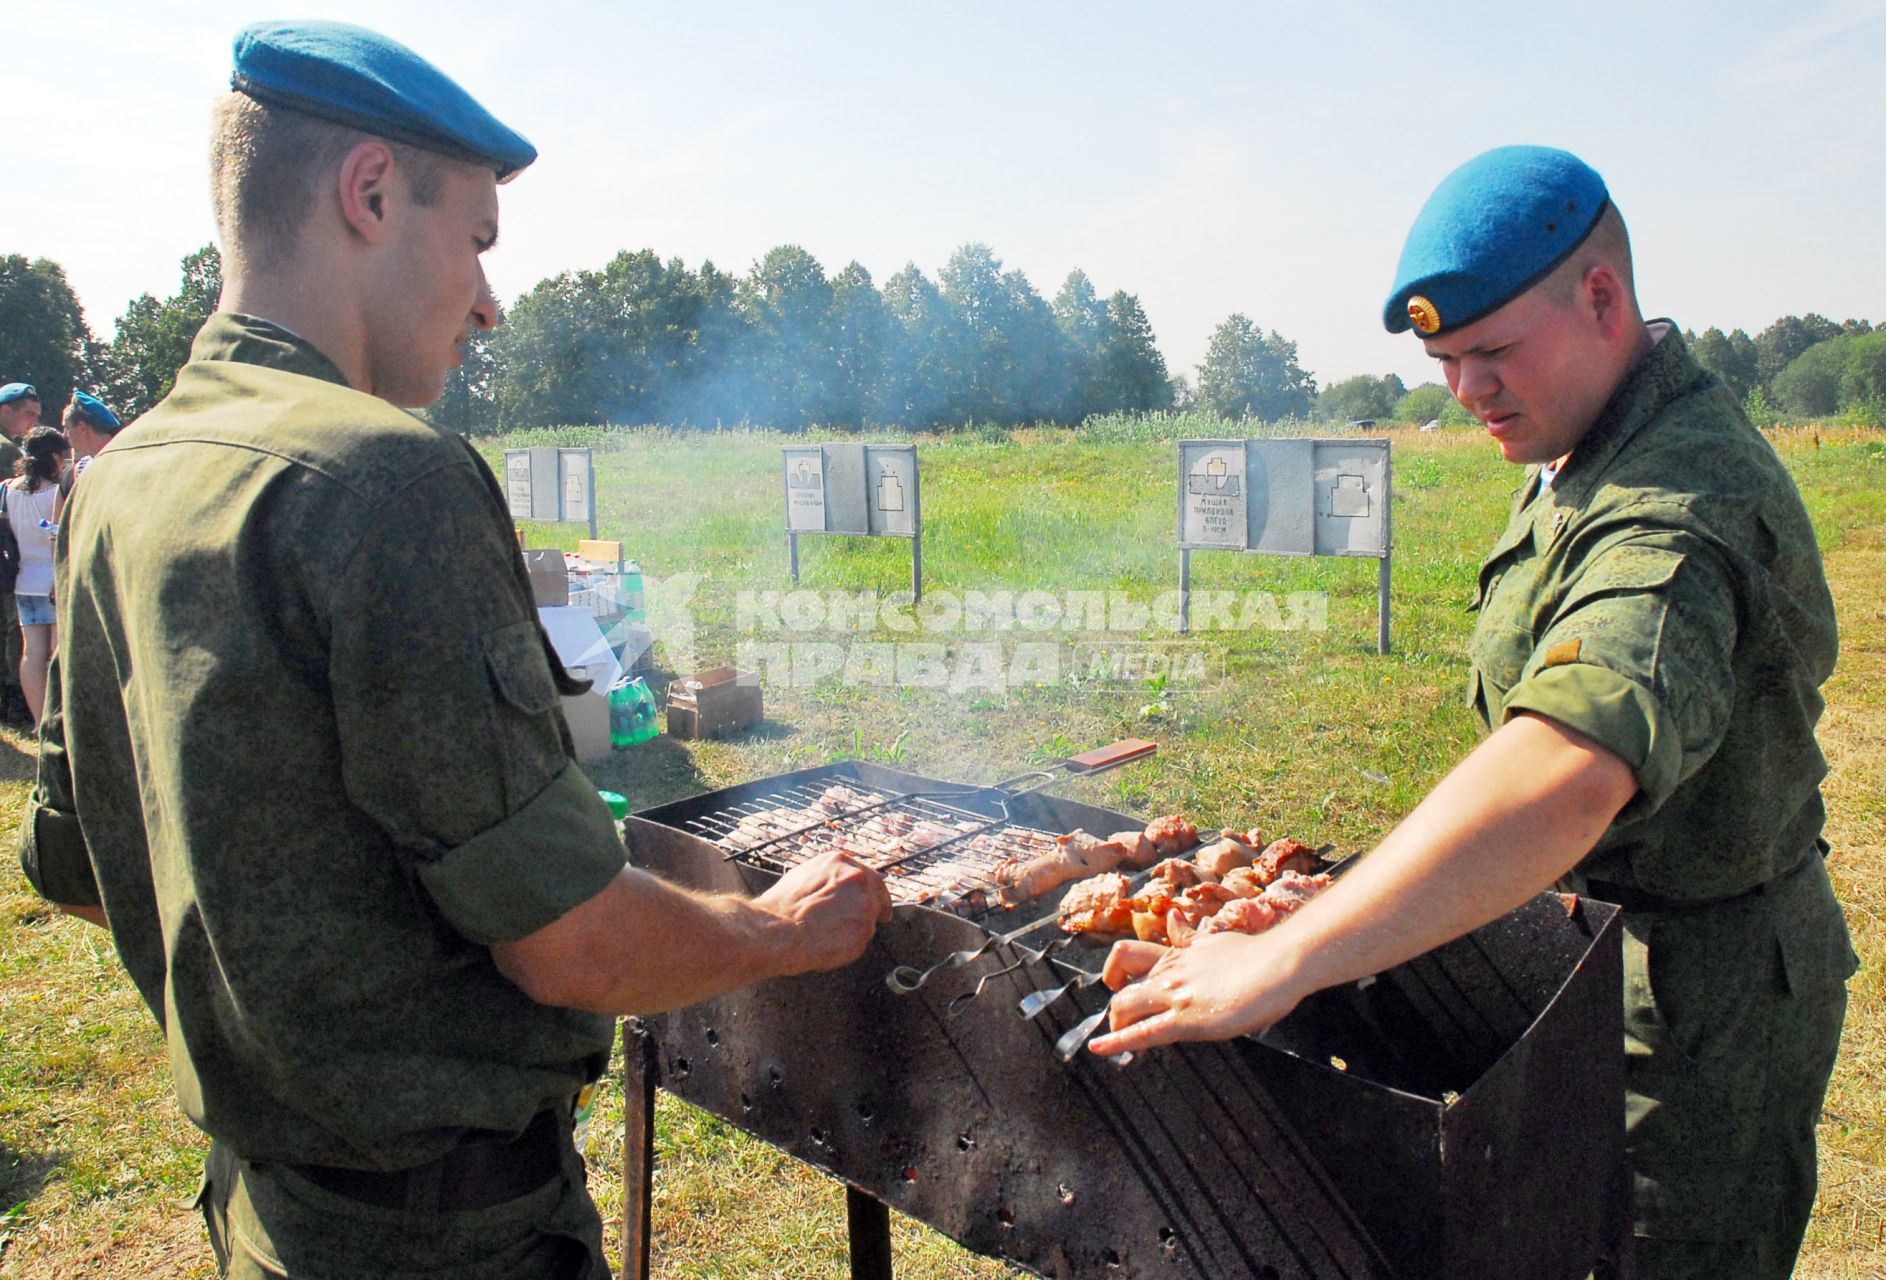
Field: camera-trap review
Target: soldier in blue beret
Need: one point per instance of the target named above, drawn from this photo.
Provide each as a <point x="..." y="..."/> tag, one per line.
<point x="383" y="917"/>
<point x="91" y="426"/>
<point x="1654" y="628"/>
<point x="19" y="414"/>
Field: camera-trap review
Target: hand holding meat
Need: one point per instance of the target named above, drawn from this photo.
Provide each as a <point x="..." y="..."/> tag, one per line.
<point x="833" y="904"/>
<point x="1223" y="985"/>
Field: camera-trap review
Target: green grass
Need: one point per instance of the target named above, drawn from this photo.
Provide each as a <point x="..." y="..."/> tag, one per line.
<point x="1307" y="732"/>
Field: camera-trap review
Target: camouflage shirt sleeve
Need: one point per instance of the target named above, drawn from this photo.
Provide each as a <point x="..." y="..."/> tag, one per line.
<point x="451" y="736"/>
<point x="52" y="847"/>
<point x="1639" y="657"/>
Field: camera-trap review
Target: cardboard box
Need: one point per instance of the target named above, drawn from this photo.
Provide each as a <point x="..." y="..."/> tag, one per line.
<point x="713" y="703"/>
<point x="549" y="580"/>
<point x="585" y="653"/>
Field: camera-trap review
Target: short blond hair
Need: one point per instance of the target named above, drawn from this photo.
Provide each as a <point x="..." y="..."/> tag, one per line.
<point x="268" y="164"/>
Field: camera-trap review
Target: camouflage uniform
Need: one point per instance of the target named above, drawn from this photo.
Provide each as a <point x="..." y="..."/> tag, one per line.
<point x="303" y="744"/>
<point x="1664" y="596"/>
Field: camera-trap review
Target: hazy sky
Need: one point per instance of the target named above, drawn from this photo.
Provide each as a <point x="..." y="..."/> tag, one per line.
<point x="1263" y="156"/>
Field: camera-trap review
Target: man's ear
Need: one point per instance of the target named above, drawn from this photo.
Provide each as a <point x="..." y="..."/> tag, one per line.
<point x="1608" y="300"/>
<point x="366" y="175"/>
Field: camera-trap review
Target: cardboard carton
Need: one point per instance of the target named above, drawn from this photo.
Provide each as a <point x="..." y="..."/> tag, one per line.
<point x="585" y="653"/>
<point x="549" y="580"/>
<point x="713" y="703"/>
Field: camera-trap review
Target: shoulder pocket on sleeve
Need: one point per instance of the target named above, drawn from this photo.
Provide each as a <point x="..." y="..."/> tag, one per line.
<point x="515" y="657"/>
<point x="1625" y="571"/>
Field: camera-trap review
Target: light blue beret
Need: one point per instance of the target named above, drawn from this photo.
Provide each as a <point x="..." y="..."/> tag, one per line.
<point x="93" y="410"/>
<point x="17" y="391"/>
<point x="361" y="79"/>
<point x="1495" y="227"/>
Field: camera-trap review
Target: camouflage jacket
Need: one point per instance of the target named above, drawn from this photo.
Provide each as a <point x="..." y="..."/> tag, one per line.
<point x="304" y="746"/>
<point x="1664" y="596"/>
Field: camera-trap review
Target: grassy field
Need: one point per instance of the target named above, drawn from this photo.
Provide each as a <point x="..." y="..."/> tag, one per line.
<point x="1302" y="729"/>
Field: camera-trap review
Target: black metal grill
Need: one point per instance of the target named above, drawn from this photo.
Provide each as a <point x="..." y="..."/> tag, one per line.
<point x="932" y="851"/>
<point x="1448" y="1118"/>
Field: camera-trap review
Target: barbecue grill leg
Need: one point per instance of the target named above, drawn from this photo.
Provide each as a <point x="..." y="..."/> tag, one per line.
<point x="638" y="1146"/>
<point x="870" y="1223"/>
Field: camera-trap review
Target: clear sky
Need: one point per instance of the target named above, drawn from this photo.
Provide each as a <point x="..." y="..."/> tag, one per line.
<point x="1263" y="156"/>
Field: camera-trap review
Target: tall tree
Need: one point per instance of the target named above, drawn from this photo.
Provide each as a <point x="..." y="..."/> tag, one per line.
<point x="1132" y="374"/>
<point x="919" y="376"/>
<point x="1810" y="385"/>
<point x="1731" y="357"/>
<point x="544" y="352"/>
<point x="982" y="360"/>
<point x="1777" y="346"/>
<point x="1863" y="384"/>
<point x="716" y="384"/>
<point x="469" y="403"/>
<point x="153" y="338"/>
<point x="1041" y="361"/>
<point x="860" y="326"/>
<point x="787" y="303"/>
<point x="43" y="335"/>
<point x="1082" y="315"/>
<point x="1246" y="374"/>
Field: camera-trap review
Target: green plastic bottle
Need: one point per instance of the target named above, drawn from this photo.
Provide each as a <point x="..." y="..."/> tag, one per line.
<point x="631" y="713"/>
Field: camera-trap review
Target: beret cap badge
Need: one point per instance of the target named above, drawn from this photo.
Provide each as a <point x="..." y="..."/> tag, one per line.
<point x="1423" y="315"/>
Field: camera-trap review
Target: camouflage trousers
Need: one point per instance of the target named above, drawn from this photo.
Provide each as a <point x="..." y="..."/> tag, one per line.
<point x="1732" y="1017"/>
<point x="267" y="1221"/>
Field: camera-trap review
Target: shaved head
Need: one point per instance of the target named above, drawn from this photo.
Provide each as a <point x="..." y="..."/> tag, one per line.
<point x="1608" y="245"/>
<point x="268" y="165"/>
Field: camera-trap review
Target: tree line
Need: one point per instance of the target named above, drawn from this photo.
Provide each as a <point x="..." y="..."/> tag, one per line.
<point x="651" y="340"/>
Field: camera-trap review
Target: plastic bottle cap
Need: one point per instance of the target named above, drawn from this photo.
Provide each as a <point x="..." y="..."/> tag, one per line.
<point x="618" y="805"/>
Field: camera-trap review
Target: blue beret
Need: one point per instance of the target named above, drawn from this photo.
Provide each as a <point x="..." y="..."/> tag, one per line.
<point x="17" y="391"/>
<point x="361" y="79"/>
<point x="1495" y="227"/>
<point x="93" y="410"/>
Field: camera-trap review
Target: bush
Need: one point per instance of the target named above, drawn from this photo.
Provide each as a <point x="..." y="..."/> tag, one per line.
<point x="1759" y="410"/>
<point x="1810" y="386"/>
<point x="1425" y="403"/>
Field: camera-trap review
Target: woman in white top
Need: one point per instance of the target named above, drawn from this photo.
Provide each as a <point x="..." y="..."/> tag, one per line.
<point x="32" y="501"/>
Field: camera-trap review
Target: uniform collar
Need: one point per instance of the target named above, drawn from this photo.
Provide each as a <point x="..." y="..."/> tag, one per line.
<point x="228" y="335"/>
<point x="1665" y="373"/>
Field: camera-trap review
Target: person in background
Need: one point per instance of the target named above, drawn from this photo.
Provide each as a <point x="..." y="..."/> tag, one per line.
<point x="304" y="753"/>
<point x="32" y="504"/>
<point x="19" y="413"/>
<point x="1654" y="629"/>
<point x="91" y="427"/>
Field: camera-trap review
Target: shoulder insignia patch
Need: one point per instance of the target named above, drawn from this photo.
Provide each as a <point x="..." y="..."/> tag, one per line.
<point x="1564" y="652"/>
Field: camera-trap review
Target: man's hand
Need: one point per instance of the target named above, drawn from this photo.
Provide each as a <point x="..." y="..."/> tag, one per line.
<point x="643" y="945"/>
<point x="834" y="904"/>
<point x="1503" y="825"/>
<point x="1223" y="985"/>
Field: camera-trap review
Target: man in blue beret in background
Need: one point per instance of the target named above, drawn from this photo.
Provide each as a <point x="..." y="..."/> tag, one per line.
<point x="1654" y="628"/>
<point x="91" y="426"/>
<point x="19" y="413"/>
<point x="304" y="754"/>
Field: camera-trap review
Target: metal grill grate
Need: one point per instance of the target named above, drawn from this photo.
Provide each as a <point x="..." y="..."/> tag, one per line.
<point x="930" y="852"/>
